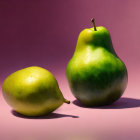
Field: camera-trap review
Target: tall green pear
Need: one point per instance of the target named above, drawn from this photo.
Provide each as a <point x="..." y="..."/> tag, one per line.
<point x="32" y="91"/>
<point x="96" y="75"/>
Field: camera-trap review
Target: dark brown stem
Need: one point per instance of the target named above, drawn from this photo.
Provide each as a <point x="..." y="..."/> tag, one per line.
<point x="93" y="22"/>
<point x="66" y="101"/>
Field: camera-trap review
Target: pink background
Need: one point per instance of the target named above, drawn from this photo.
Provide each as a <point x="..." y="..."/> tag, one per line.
<point x="44" y="33"/>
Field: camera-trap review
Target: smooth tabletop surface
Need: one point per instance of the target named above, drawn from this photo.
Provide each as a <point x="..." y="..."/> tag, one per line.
<point x="120" y="120"/>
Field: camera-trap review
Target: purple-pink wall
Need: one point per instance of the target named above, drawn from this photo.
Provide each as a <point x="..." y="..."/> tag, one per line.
<point x="45" y="32"/>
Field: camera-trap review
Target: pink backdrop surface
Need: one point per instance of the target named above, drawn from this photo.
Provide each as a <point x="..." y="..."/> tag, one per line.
<point x="44" y="33"/>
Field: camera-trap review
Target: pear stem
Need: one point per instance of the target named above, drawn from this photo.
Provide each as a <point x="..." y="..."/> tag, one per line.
<point x="66" y="101"/>
<point x="93" y="22"/>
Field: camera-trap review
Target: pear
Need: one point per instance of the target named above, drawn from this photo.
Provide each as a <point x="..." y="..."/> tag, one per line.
<point x="96" y="75"/>
<point x="32" y="91"/>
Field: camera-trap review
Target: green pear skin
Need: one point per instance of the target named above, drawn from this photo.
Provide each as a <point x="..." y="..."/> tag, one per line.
<point x="32" y="91"/>
<point x="96" y="75"/>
